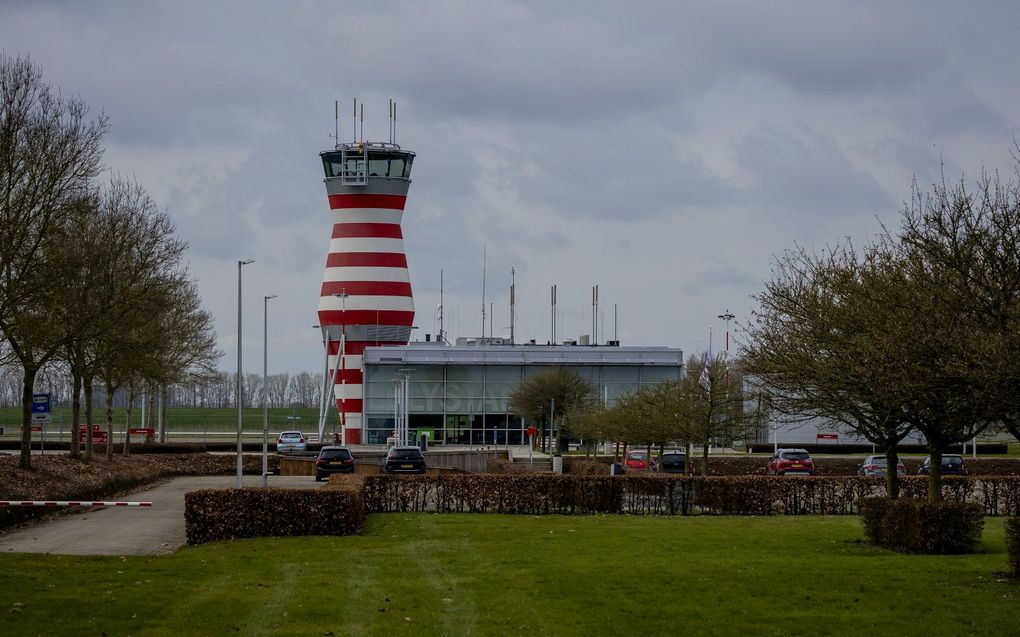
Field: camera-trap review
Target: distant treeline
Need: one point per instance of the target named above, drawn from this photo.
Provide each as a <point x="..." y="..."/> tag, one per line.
<point x="220" y="390"/>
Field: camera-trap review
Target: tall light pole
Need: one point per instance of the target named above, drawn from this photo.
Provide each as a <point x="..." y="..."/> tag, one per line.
<point x="727" y="316"/>
<point x="240" y="263"/>
<point x="265" y="377"/>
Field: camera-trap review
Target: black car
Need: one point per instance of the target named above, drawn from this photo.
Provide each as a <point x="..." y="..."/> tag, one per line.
<point x="952" y="465"/>
<point x="333" y="460"/>
<point x="404" y="460"/>
<point x="672" y="462"/>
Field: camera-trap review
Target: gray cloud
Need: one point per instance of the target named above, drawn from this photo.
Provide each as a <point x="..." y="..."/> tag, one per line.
<point x="663" y="150"/>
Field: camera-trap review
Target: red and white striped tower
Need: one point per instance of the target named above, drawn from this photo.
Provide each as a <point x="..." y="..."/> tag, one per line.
<point x="366" y="291"/>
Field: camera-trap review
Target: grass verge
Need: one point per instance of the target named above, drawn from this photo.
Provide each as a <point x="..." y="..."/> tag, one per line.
<point x="427" y="574"/>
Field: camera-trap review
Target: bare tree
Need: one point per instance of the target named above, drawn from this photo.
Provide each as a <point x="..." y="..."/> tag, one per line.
<point x="304" y="389"/>
<point x="277" y="389"/>
<point x="50" y="151"/>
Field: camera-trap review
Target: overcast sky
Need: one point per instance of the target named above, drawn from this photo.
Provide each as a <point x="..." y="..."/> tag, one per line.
<point x="666" y="151"/>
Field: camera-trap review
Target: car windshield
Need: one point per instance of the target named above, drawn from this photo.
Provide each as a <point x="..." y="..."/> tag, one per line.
<point x="796" y="455"/>
<point x="879" y="460"/>
<point x="335" y="453"/>
<point x="637" y="455"/>
<point x="406" y="454"/>
<point x="291" y="435"/>
<point x="951" y="460"/>
<point x="673" y="456"/>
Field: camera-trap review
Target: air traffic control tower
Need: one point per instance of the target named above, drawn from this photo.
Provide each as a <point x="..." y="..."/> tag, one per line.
<point x="365" y="297"/>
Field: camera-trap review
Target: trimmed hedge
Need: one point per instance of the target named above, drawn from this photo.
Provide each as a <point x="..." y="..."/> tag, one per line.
<point x="663" y="494"/>
<point x="587" y="467"/>
<point x="494" y="493"/>
<point x="909" y="525"/>
<point x="1013" y="546"/>
<point x="223" y="514"/>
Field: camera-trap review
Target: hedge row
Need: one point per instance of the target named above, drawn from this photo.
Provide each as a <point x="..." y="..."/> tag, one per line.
<point x="1013" y="545"/>
<point x="665" y="494"/>
<point x="223" y="514"/>
<point x="909" y="525"/>
<point x="493" y="493"/>
<point x="826" y="466"/>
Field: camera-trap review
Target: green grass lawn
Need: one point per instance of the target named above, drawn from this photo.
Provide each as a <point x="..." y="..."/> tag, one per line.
<point x="428" y="574"/>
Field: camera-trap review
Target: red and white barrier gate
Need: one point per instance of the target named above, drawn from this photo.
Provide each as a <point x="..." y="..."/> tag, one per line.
<point x="70" y="503"/>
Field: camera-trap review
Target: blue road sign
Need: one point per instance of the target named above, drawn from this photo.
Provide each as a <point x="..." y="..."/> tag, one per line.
<point x="40" y="403"/>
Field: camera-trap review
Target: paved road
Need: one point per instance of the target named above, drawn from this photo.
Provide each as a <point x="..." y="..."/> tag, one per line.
<point x="128" y="530"/>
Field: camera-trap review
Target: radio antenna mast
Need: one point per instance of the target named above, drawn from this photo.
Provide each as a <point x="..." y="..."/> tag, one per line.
<point x="355" y="120"/>
<point x="362" y="121"/>
<point x="483" y="291"/>
<point x="336" y="123"/>
<point x="391" y="120"/>
<point x="442" y="338"/>
<point x="512" y="300"/>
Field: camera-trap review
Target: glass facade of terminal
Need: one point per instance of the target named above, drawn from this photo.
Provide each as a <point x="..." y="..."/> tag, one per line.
<point x="460" y="395"/>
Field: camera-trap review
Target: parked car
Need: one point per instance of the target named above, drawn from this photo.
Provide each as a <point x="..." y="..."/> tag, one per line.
<point x="877" y="466"/>
<point x="290" y="441"/>
<point x="787" y="462"/>
<point x="673" y="462"/>
<point x="636" y="460"/>
<point x="333" y="460"/>
<point x="952" y="465"/>
<point x="404" y="460"/>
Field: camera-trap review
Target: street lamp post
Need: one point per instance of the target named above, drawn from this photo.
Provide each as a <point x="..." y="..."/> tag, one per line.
<point x="265" y="394"/>
<point x="240" y="263"/>
<point x="727" y="316"/>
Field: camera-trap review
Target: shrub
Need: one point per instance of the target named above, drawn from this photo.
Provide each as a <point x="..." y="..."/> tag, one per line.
<point x="1013" y="546"/>
<point x="1001" y="495"/>
<point x="909" y="525"/>
<point x="212" y="514"/>
<point x="587" y="467"/>
<point x="494" y="493"/>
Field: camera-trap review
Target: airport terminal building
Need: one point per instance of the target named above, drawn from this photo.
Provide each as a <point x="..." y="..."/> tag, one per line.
<point x="460" y="394"/>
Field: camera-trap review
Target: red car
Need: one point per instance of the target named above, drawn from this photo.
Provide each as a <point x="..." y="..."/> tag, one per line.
<point x="637" y="460"/>
<point x="791" y="462"/>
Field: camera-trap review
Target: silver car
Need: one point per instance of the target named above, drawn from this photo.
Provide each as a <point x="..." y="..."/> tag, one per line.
<point x="878" y="465"/>
<point x="290" y="441"/>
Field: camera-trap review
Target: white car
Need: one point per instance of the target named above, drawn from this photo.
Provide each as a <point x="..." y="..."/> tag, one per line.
<point x="290" y="441"/>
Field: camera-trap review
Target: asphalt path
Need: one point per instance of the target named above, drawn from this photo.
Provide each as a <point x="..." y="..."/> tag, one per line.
<point x="129" y="530"/>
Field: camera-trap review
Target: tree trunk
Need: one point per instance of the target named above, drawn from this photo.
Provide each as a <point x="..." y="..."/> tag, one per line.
<point x="27" y="389"/>
<point x="648" y="457"/>
<point x="892" y="478"/>
<point x="87" y="381"/>
<point x="935" y="475"/>
<point x="109" y="423"/>
<point x="127" y="430"/>
<point x="75" y="413"/>
<point x="616" y="453"/>
<point x="704" y="458"/>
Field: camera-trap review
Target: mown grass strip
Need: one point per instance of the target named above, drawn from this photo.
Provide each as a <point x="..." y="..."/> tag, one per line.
<point x="428" y="574"/>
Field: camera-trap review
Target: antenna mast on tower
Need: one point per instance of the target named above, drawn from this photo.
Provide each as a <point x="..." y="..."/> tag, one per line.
<point x="512" y="300"/>
<point x="483" y="291"/>
<point x="441" y="338"/>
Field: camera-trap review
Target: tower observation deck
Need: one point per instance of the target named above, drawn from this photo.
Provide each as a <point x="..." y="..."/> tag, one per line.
<point x="365" y="297"/>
